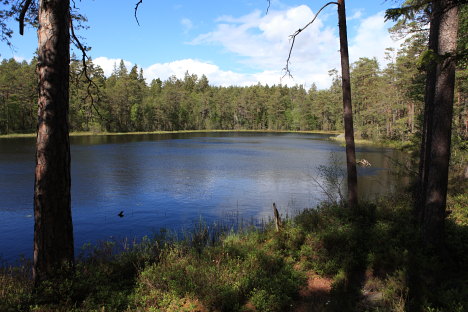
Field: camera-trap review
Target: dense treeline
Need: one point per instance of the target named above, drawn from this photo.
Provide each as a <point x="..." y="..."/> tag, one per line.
<point x="387" y="101"/>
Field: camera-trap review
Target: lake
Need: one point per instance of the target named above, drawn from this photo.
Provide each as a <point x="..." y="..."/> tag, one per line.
<point x="172" y="181"/>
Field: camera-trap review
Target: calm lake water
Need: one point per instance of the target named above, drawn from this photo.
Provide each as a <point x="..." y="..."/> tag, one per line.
<point x="172" y="180"/>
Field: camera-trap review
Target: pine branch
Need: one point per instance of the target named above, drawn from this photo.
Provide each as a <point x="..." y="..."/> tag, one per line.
<point x="410" y="11"/>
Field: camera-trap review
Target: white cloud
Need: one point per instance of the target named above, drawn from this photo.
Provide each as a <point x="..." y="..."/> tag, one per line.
<point x="263" y="40"/>
<point x="20" y="59"/>
<point x="108" y="64"/>
<point x="357" y="15"/>
<point x="262" y="43"/>
<point x="372" y="39"/>
<point x="215" y="75"/>
<point x="219" y="77"/>
<point x="186" y="24"/>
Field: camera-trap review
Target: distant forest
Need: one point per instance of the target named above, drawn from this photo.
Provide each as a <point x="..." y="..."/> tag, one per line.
<point x="387" y="102"/>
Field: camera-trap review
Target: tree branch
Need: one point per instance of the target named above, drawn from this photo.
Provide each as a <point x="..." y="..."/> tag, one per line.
<point x="136" y="11"/>
<point x="91" y="83"/>
<point x="25" y="8"/>
<point x="293" y="37"/>
<point x="268" y="8"/>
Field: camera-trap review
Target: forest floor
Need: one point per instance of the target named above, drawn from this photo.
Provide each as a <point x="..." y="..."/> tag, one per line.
<point x="329" y="258"/>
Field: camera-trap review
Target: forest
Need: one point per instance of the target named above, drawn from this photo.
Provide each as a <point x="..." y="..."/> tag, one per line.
<point x="387" y="101"/>
<point x="403" y="252"/>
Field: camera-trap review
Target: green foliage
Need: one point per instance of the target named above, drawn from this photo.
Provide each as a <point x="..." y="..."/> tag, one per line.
<point x="15" y="288"/>
<point x="223" y="277"/>
<point x="427" y="58"/>
<point x="17" y="96"/>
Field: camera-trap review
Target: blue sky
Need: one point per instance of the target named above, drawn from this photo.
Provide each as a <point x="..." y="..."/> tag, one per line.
<point x="231" y="42"/>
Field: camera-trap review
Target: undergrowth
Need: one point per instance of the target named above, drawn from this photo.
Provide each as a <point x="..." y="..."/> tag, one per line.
<point x="364" y="252"/>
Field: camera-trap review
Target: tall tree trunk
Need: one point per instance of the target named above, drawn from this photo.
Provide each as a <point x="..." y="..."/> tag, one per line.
<point x="7" y="116"/>
<point x="347" y="108"/>
<point x="53" y="230"/>
<point x="411" y="116"/>
<point x="435" y="147"/>
<point x="428" y="115"/>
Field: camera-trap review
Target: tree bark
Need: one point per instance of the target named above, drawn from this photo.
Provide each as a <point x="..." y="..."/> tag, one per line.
<point x="436" y="140"/>
<point x="53" y="229"/>
<point x="347" y="108"/>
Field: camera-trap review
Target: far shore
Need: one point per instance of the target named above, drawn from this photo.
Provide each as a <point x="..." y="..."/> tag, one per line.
<point x="30" y="135"/>
<point x="401" y="145"/>
<point x="337" y="136"/>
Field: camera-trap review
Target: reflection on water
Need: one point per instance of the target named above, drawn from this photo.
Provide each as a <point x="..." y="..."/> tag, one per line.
<point x="172" y="180"/>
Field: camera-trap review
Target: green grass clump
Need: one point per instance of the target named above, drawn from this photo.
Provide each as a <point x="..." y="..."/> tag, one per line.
<point x="237" y="270"/>
<point x="15" y="289"/>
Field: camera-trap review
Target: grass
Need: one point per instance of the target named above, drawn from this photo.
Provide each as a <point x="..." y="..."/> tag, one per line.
<point x="365" y="254"/>
<point x="30" y="135"/>
<point x="401" y="145"/>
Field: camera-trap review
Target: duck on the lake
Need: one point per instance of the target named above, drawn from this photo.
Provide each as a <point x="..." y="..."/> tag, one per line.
<point x="120" y="214"/>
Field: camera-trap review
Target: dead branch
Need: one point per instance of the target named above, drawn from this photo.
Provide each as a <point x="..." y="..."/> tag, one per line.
<point x="136" y="11"/>
<point x="25" y="8"/>
<point x="293" y="38"/>
<point x="268" y="7"/>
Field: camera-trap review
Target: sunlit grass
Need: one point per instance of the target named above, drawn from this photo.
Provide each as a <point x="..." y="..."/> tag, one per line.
<point x="384" y="143"/>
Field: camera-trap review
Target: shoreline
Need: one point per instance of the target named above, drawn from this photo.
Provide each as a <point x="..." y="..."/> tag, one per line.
<point x="390" y="144"/>
<point x="89" y="133"/>
<point x="336" y="136"/>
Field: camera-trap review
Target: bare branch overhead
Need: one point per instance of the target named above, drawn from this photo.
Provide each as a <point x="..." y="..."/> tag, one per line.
<point x="84" y="58"/>
<point x="136" y="11"/>
<point x="293" y="38"/>
<point x="25" y="8"/>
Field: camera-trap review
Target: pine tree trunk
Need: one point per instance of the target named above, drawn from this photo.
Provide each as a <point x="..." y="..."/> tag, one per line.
<point x="411" y="116"/>
<point x="53" y="230"/>
<point x="347" y="108"/>
<point x="435" y="147"/>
